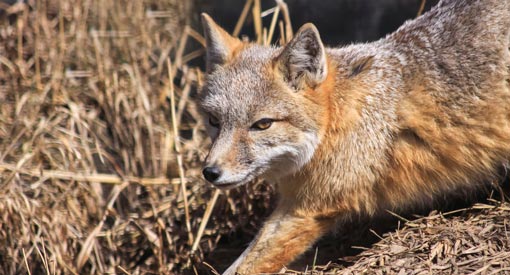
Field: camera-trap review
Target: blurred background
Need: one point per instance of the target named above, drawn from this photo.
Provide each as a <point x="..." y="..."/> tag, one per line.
<point x="340" y="22"/>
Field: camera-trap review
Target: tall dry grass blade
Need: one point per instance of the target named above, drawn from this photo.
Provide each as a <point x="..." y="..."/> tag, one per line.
<point x="58" y="71"/>
<point x="282" y="33"/>
<point x="211" y="268"/>
<point x="19" y="26"/>
<point x="267" y="12"/>
<point x="123" y="270"/>
<point x="257" y="21"/>
<point x="61" y="28"/>
<point x="422" y="7"/>
<point x="149" y="235"/>
<point x="177" y="147"/>
<point x="273" y="24"/>
<point x="37" y="38"/>
<point x="242" y="18"/>
<point x="43" y="256"/>
<point x="7" y="63"/>
<point x="87" y="246"/>
<point x="205" y="220"/>
<point x="197" y="36"/>
<point x="288" y="26"/>
<point x="26" y="261"/>
<point x="165" y="151"/>
<point x="13" y="144"/>
<point x="314" y="263"/>
<point x="180" y="59"/>
<point x="180" y="49"/>
<point x="192" y="55"/>
<point x="97" y="52"/>
<point x="83" y="177"/>
<point x="182" y="102"/>
<point x="7" y="180"/>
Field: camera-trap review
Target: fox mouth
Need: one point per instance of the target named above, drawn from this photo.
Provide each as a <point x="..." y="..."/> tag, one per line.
<point x="227" y="186"/>
<point x="231" y="185"/>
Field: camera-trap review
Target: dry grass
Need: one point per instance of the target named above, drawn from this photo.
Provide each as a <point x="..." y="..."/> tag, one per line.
<point x="100" y="149"/>
<point x="476" y="242"/>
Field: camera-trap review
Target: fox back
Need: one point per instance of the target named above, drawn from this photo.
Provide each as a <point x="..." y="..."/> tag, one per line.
<point x="422" y="113"/>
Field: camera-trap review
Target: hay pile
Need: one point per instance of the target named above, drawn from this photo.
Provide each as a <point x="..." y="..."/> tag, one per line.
<point x="100" y="149"/>
<point x="475" y="242"/>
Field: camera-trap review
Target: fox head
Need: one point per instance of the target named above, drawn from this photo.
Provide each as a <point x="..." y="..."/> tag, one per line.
<point x="263" y="106"/>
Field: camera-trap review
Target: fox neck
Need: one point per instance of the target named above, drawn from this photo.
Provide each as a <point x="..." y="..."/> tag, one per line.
<point x="353" y="140"/>
<point x="332" y="105"/>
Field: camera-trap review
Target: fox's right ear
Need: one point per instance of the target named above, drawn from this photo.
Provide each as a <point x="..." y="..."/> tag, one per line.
<point x="219" y="44"/>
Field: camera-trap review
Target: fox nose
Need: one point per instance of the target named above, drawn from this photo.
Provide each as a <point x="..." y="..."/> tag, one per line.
<point x="211" y="173"/>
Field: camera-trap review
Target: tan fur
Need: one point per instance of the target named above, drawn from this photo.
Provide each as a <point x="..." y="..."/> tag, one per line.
<point x="394" y="124"/>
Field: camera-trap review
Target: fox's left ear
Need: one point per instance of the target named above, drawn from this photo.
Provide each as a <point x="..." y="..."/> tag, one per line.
<point x="220" y="45"/>
<point x="303" y="60"/>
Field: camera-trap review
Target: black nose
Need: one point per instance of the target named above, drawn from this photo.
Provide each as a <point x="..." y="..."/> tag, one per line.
<point x="211" y="173"/>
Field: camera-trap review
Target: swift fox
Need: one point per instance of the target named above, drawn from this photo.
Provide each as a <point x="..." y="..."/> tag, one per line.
<point x="393" y="124"/>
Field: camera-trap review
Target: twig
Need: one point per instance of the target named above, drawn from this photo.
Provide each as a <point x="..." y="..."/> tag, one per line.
<point x="102" y="178"/>
<point x="182" y="102"/>
<point x="288" y="26"/>
<point x="205" y="219"/>
<point x="257" y="21"/>
<point x="315" y="257"/>
<point x="397" y="215"/>
<point x="26" y="261"/>
<point x="282" y="33"/>
<point x="422" y="7"/>
<point x="180" y="59"/>
<point x="8" y="64"/>
<point x="211" y="268"/>
<point x="197" y="36"/>
<point x="192" y="55"/>
<point x="242" y="18"/>
<point x="273" y="24"/>
<point x="44" y="256"/>
<point x="375" y="233"/>
<point x="123" y="270"/>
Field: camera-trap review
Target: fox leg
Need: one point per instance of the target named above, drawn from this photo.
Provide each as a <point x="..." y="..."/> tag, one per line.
<point x="284" y="236"/>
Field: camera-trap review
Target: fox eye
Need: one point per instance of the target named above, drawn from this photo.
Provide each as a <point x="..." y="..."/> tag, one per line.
<point x="214" y="121"/>
<point x="262" y="124"/>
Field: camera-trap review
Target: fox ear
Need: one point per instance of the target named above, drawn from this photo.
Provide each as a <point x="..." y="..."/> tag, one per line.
<point x="303" y="60"/>
<point x="219" y="44"/>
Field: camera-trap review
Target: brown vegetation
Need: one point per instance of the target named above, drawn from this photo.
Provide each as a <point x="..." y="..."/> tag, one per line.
<point x="100" y="150"/>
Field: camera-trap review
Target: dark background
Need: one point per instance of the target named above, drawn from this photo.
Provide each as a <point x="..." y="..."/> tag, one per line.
<point x="339" y="22"/>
